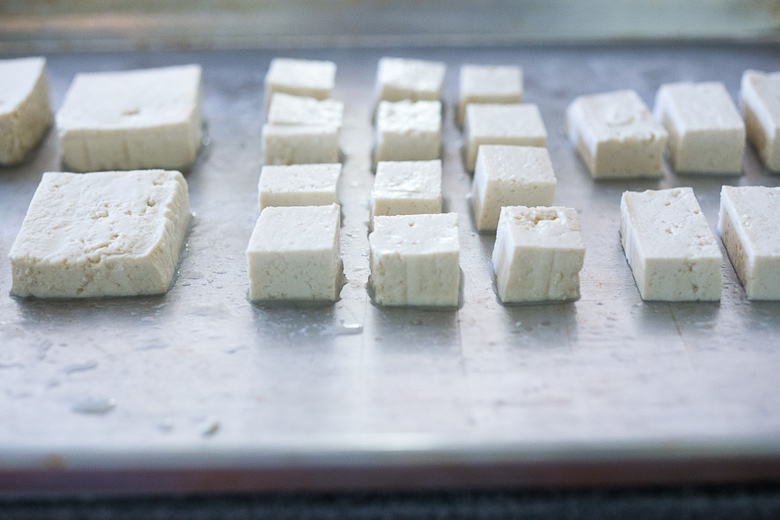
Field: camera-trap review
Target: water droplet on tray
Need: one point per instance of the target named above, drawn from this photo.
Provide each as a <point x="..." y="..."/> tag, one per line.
<point x="80" y="367"/>
<point x="93" y="405"/>
<point x="208" y="426"/>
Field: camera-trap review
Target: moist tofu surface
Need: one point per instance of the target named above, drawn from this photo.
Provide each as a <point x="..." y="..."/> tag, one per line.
<point x="312" y="78"/>
<point x="489" y="84"/>
<point x="408" y="131"/>
<point x="759" y="97"/>
<point x="299" y="185"/>
<point x="406" y="187"/>
<point x="415" y="80"/>
<point x="286" y="109"/>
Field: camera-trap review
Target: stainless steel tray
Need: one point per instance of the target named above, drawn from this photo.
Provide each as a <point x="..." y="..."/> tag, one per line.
<point x="212" y="393"/>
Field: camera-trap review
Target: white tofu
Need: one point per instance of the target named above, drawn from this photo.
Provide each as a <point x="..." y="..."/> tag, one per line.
<point x="132" y="120"/>
<point x="406" y="188"/>
<point x="518" y="124"/>
<point x="102" y="234"/>
<point x="408" y="131"/>
<point x="25" y="113"/>
<point x="748" y="225"/>
<point x="510" y="176"/>
<point x="489" y="84"/>
<point x="616" y="135"/>
<point x="706" y="132"/>
<point x="416" y="80"/>
<point x="309" y="78"/>
<point x="669" y="245"/>
<point x="296" y="110"/>
<point x="301" y="144"/>
<point x="293" y="254"/>
<point x="299" y="185"/>
<point x="538" y="254"/>
<point x="759" y="98"/>
<point x="415" y="260"/>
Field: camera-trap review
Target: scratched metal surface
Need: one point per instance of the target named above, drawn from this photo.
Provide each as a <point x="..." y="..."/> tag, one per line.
<point x="201" y="379"/>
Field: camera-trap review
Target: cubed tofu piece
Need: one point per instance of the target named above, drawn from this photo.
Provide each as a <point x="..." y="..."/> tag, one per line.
<point x="489" y="84"/>
<point x="294" y="254"/>
<point x="510" y="176"/>
<point x="308" y="78"/>
<point x="538" y="254"/>
<point x="101" y="234"/>
<point x="414" y="260"/>
<point x="299" y="185"/>
<point x="25" y="113"/>
<point x="301" y="144"/>
<point x="669" y="245"/>
<point x="408" y="131"/>
<point x="132" y="120"/>
<point x="616" y="135"/>
<point x="748" y="225"/>
<point x="759" y="98"/>
<point x="513" y="124"/>
<point x="706" y="132"/>
<point x="296" y="110"/>
<point x="406" y="188"/>
<point x="416" y="80"/>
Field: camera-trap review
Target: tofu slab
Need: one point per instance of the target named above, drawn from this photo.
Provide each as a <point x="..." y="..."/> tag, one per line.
<point x="301" y="144"/>
<point x="102" y="234"/>
<point x="309" y="78"/>
<point x="488" y="84"/>
<point x="416" y="80"/>
<point x="669" y="245"/>
<point x="299" y="185"/>
<point x="759" y="97"/>
<point x="297" y="110"/>
<point x="748" y="224"/>
<point x="406" y="188"/>
<point x="408" y="131"/>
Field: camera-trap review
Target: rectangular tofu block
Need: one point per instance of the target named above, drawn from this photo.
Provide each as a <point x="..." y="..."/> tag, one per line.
<point x="101" y="234"/>
<point x="616" y="135"/>
<point x="706" y="132"/>
<point x="25" y="113"/>
<point x="408" y="131"/>
<point x="416" y="80"/>
<point x="132" y="120"/>
<point x="538" y="254"/>
<point x="301" y="144"/>
<point x="297" y="110"/>
<point x="414" y="260"/>
<point x="748" y="224"/>
<point x="299" y="185"/>
<point x="406" y="188"/>
<point x="518" y="124"/>
<point x="759" y="98"/>
<point x="309" y="78"/>
<point x="489" y="84"/>
<point x="510" y="176"/>
<point x="294" y="254"/>
<point x="669" y="245"/>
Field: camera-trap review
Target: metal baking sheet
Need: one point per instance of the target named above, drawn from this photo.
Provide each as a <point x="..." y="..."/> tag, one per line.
<point x="200" y="390"/>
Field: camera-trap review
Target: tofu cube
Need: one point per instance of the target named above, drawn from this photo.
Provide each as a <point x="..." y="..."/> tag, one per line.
<point x="25" y="113"/>
<point x="293" y="254"/>
<point x="706" y="132"/>
<point x="132" y="120"/>
<point x="616" y="135"/>
<point x="416" y="80"/>
<point x="748" y="225"/>
<point x="102" y="234"/>
<point x="309" y="78"/>
<point x="759" y="98"/>
<point x="517" y="124"/>
<point x="538" y="254"/>
<point x="414" y="260"/>
<point x="301" y="144"/>
<point x="406" y="188"/>
<point x="299" y="185"/>
<point x="669" y="245"/>
<point x="510" y="176"/>
<point x="296" y="110"/>
<point x="408" y="131"/>
<point x="489" y="84"/>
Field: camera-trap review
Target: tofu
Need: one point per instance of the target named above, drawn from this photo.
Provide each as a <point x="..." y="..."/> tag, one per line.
<point x="759" y="98"/>
<point x="294" y="254"/>
<point x="416" y="80"/>
<point x="616" y="135"/>
<point x="25" y="113"/>
<point x="669" y="245"/>
<point x="296" y="110"/>
<point x="308" y="78"/>
<point x="300" y="144"/>
<point x="748" y="225"/>
<point x="406" y="188"/>
<point x="414" y="260"/>
<point x="706" y="132"/>
<point x="132" y="120"/>
<point x="408" y="131"/>
<point x="518" y="124"/>
<point x="102" y="234"/>
<point x="299" y="185"/>
<point x="538" y="254"/>
<point x="510" y="176"/>
<point x="488" y="84"/>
